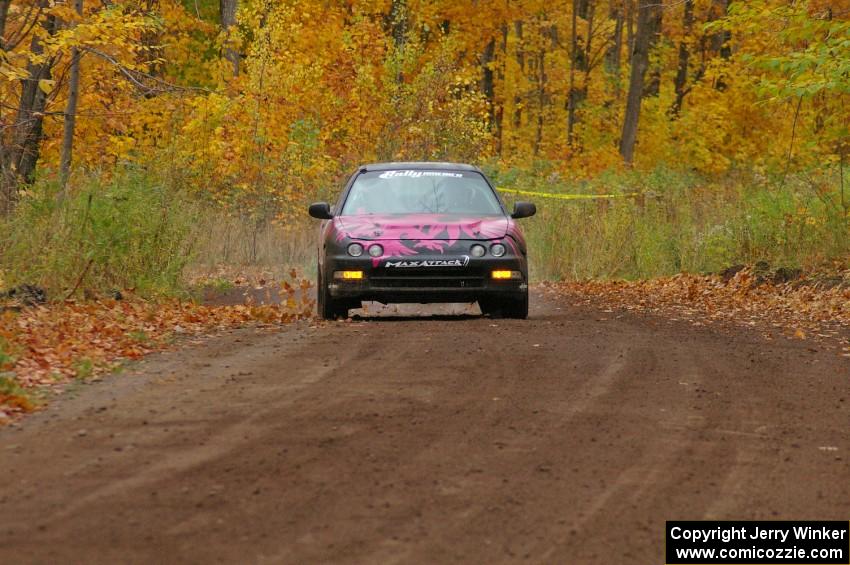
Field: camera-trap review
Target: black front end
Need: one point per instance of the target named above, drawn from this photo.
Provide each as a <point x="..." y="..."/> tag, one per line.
<point x="426" y="277"/>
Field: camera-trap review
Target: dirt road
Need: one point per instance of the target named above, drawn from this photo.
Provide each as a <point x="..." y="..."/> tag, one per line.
<point x="567" y="438"/>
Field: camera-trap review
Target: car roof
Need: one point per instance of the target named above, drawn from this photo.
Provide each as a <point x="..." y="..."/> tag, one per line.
<point x="418" y="165"/>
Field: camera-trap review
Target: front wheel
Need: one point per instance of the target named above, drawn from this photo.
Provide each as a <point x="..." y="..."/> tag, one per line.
<point x="513" y="307"/>
<point x="329" y="308"/>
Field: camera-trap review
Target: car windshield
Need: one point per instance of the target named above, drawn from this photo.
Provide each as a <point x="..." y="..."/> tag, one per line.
<point x="421" y="192"/>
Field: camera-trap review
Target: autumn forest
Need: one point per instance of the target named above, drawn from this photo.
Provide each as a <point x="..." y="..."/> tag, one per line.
<point x="718" y="127"/>
<point x="203" y="358"/>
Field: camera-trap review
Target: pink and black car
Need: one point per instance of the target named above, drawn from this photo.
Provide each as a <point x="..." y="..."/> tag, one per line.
<point x="421" y="232"/>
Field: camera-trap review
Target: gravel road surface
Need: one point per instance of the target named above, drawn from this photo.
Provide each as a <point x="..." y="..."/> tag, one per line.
<point x="567" y="438"/>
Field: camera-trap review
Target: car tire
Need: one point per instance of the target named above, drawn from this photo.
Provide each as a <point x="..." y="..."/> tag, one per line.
<point x="516" y="308"/>
<point x="505" y="307"/>
<point x="488" y="307"/>
<point x="329" y="308"/>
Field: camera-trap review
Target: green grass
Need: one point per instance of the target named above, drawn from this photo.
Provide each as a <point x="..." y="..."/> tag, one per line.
<point x="680" y="223"/>
<point x="219" y="285"/>
<point x="134" y="230"/>
<point x="7" y="359"/>
<point x="139" y="336"/>
<point x="11" y="393"/>
<point x="130" y="232"/>
<point x="83" y="368"/>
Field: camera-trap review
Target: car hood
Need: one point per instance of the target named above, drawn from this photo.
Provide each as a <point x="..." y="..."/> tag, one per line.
<point x="421" y="227"/>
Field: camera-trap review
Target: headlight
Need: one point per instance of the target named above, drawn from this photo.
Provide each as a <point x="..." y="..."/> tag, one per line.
<point x="498" y="250"/>
<point x="477" y="250"/>
<point x="355" y="250"/>
<point x="376" y="250"/>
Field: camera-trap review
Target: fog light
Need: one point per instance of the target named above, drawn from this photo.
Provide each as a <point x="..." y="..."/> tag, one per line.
<point x="506" y="275"/>
<point x="376" y="250"/>
<point x="348" y="275"/>
<point x="355" y="250"/>
<point x="477" y="251"/>
<point x="498" y="250"/>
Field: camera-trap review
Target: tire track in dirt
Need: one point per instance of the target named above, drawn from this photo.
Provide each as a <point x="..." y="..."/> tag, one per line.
<point x="429" y="440"/>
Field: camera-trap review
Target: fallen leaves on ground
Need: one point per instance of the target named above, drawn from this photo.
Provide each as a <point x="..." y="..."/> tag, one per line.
<point x="800" y="310"/>
<point x="48" y="346"/>
<point x="241" y="276"/>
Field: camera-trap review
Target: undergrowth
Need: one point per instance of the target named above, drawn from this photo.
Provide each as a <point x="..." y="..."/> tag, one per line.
<point x="130" y="232"/>
<point x="135" y="230"/>
<point x="7" y="356"/>
<point x="680" y="222"/>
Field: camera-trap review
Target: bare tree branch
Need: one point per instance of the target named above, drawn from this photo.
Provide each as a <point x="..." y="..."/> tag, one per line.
<point x="147" y="84"/>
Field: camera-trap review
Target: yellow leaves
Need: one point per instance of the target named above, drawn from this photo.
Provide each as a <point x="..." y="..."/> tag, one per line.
<point x="119" y="146"/>
<point x="13" y="66"/>
<point x="333" y="64"/>
<point x="113" y="30"/>
<point x="46" y="85"/>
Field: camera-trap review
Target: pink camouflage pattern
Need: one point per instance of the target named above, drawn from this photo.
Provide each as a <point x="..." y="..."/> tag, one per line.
<point x="412" y="234"/>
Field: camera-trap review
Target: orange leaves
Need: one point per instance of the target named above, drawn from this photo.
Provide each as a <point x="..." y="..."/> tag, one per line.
<point x="16" y="403"/>
<point x="829" y="8"/>
<point x="802" y="310"/>
<point x="64" y="341"/>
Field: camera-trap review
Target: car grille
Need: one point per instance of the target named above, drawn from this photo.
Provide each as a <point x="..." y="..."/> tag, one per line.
<point x="426" y="282"/>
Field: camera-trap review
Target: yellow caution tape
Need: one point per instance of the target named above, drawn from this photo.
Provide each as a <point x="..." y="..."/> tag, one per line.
<point x="567" y="196"/>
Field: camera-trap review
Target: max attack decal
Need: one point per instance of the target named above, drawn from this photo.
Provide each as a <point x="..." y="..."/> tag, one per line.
<point x="463" y="262"/>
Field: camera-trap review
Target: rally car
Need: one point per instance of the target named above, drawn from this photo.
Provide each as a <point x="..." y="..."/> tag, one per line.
<point x="421" y="233"/>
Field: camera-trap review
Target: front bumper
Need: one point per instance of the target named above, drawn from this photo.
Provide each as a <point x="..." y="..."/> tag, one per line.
<point x="421" y="284"/>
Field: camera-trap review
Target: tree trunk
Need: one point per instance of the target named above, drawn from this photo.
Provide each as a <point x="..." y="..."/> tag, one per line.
<point x="684" y="56"/>
<point x="4" y="12"/>
<point x="614" y="52"/>
<point x="640" y="62"/>
<point x="398" y="22"/>
<point x="541" y="99"/>
<point x="500" y="110"/>
<point x="653" y="85"/>
<point x="227" y="12"/>
<point x="22" y="156"/>
<point x="150" y="54"/>
<point x="520" y="57"/>
<point x="31" y="111"/>
<point x="588" y="45"/>
<point x="70" y="113"/>
<point x="582" y="7"/>
<point x="572" y="96"/>
<point x="487" y="79"/>
<point x="720" y="40"/>
<point x="630" y="27"/>
<point x="581" y="52"/>
<point x="550" y="33"/>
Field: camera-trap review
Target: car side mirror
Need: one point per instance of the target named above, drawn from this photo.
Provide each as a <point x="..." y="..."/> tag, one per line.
<point x="320" y="210"/>
<point x="523" y="210"/>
